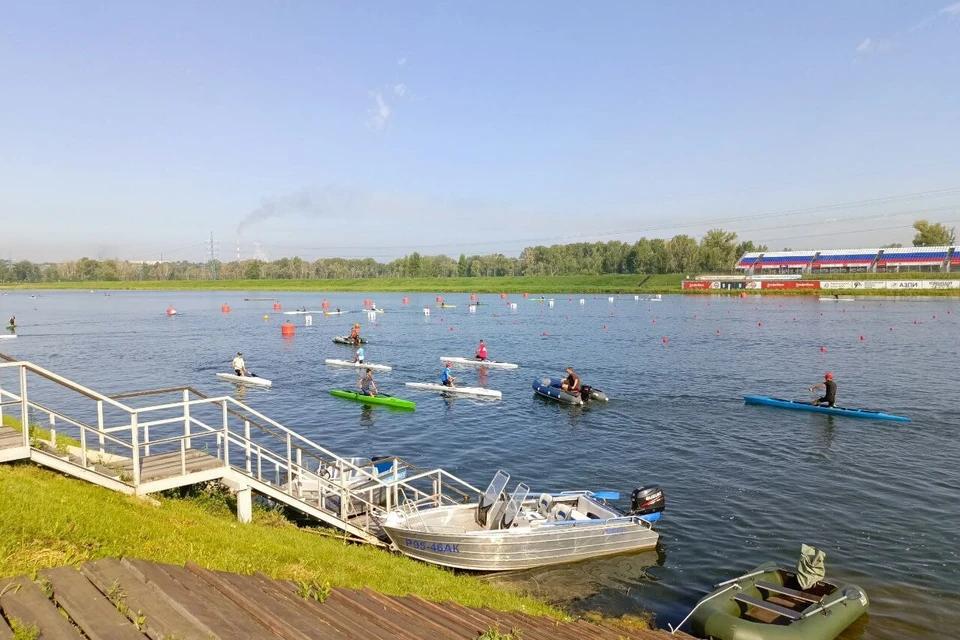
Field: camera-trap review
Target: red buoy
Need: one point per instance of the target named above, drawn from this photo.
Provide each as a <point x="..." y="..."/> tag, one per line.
<point x="406" y="300"/>
<point x="225" y="308"/>
<point x="823" y="349"/>
<point x="451" y="328"/>
<point x="171" y="311"/>
<point x="324" y="305"/>
<point x="544" y="333"/>
<point x="861" y="338"/>
<point x="759" y="324"/>
<point x="276" y="306"/>
<point x="287" y="329"/>
<point x="503" y="296"/>
<point x="526" y="295"/>
<point x="473" y="297"/>
<point x="665" y="341"/>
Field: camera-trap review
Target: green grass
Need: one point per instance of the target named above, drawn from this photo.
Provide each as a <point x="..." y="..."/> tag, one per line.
<point x="611" y="283"/>
<point x="39" y="433"/>
<point x="49" y="520"/>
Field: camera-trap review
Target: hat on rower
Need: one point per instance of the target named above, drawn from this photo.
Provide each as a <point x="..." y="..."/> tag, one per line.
<point x="448" y="364"/>
<point x="828" y="376"/>
<point x="239" y="354"/>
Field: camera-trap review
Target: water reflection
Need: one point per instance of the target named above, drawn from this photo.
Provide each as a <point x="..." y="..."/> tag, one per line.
<point x="577" y="584"/>
<point x="367" y="416"/>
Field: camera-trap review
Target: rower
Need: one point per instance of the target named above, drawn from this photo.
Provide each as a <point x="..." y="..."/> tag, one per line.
<point x="367" y="385"/>
<point x="481" y="352"/>
<point x="239" y="366"/>
<point x="446" y="379"/>
<point x="571" y="383"/>
<point x="358" y="357"/>
<point x="13" y="321"/>
<point x="830" y="395"/>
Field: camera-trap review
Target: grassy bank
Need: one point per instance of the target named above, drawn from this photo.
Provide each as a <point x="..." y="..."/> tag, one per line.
<point x="613" y="283"/>
<point x="48" y="520"/>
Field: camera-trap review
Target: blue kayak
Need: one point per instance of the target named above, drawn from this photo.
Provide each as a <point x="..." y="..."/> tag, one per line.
<point x="837" y="411"/>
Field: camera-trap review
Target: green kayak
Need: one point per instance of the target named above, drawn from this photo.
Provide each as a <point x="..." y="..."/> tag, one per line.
<point x="769" y="604"/>
<point x="384" y="399"/>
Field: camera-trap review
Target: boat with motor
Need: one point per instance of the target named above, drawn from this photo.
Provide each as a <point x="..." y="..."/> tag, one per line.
<point x="380" y="398"/>
<point x="254" y="380"/>
<point x="551" y="388"/>
<point x="799" y="405"/>
<point x="467" y="391"/>
<point x="358" y="365"/>
<point x="769" y="603"/>
<point x="505" y="533"/>
<point x="476" y="362"/>
<point x="347" y="340"/>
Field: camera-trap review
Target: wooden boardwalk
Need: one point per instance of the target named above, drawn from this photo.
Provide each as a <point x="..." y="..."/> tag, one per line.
<point x="113" y="599"/>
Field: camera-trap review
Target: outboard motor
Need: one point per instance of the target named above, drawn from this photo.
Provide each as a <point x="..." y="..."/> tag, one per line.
<point x="646" y="500"/>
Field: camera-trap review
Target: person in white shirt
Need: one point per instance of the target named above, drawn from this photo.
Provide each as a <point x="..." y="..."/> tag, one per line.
<point x="359" y="356"/>
<point x="239" y="366"/>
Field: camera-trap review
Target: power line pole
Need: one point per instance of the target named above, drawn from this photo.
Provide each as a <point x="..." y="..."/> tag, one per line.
<point x="212" y="259"/>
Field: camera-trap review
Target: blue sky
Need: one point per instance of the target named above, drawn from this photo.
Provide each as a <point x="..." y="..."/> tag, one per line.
<point x="127" y="129"/>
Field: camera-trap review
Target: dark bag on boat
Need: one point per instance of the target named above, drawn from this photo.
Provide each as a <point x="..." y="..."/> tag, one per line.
<point x="585" y="392"/>
<point x="810" y="568"/>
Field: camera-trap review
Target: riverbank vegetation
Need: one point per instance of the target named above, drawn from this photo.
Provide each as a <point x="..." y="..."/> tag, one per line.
<point x="49" y="520"/>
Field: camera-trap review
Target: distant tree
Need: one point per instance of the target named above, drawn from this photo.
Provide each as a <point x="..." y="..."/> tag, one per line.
<point x="932" y="234"/>
<point x="893" y="245"/>
<point x="717" y="249"/>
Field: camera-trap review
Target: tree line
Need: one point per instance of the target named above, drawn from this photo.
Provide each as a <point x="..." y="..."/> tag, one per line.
<point x="716" y="252"/>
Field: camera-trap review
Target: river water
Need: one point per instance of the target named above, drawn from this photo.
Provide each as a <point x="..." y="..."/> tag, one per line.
<point x="744" y="484"/>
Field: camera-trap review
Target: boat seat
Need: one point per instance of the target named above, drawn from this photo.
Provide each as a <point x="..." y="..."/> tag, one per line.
<point x="560" y="512"/>
<point x="544" y="504"/>
<point x="576" y="515"/>
<point x="793" y="593"/>
<point x="790" y="614"/>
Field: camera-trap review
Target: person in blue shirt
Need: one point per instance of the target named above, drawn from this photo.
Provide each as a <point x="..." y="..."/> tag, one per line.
<point x="359" y="356"/>
<point x="446" y="379"/>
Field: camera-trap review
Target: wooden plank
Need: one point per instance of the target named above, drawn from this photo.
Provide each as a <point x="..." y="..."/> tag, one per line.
<point x="307" y="615"/>
<point x="346" y="621"/>
<point x="384" y="618"/>
<point x="250" y="605"/>
<point x="434" y="628"/>
<point x="6" y="633"/>
<point x="790" y="614"/>
<point x="88" y="607"/>
<point x="456" y="623"/>
<point x="22" y="599"/>
<point x="162" y="618"/>
<point x="195" y="597"/>
<point x="433" y="609"/>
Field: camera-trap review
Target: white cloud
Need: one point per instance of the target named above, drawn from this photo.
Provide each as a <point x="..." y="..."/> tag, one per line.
<point x="400" y="89"/>
<point x="401" y="62"/>
<point x="869" y="45"/>
<point x="379" y="114"/>
<point x="952" y="10"/>
<point x="866" y="46"/>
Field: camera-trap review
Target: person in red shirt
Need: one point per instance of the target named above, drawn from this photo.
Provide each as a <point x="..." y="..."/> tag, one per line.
<point x="481" y="351"/>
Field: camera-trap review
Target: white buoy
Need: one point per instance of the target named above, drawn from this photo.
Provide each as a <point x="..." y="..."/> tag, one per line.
<point x="308" y="321"/>
<point x="610" y="299"/>
<point x="473" y="308"/>
<point x="372" y="316"/>
<point x="636" y="297"/>
<point x="582" y="302"/>
<point x="513" y="306"/>
<point x="550" y="304"/>
<point x="426" y="311"/>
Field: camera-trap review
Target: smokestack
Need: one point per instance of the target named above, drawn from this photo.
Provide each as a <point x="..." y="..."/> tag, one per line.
<point x="238" y="248"/>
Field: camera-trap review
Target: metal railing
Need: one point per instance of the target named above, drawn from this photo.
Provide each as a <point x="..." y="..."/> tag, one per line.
<point x="112" y="433"/>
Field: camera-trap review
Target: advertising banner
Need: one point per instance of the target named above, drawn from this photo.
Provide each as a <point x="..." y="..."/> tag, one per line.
<point x="941" y="284"/>
<point x="791" y="284"/>
<point x="868" y="285"/>
<point x="696" y="284"/>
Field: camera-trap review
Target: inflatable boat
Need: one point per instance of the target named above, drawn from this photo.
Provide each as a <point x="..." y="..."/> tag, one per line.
<point x="550" y="388"/>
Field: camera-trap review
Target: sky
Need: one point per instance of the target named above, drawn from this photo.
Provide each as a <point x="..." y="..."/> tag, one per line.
<point x="374" y="129"/>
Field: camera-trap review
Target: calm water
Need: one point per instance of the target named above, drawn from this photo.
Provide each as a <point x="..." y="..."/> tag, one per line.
<point x="743" y="484"/>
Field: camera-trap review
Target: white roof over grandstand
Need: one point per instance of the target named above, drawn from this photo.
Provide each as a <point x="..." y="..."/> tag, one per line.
<point x="887" y="251"/>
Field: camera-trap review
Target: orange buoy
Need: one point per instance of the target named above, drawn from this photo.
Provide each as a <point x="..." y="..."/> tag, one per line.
<point x="473" y="297"/>
<point x="544" y="333"/>
<point x="324" y="305"/>
<point x="503" y="296"/>
<point x="287" y="328"/>
<point x="823" y="349"/>
<point x="440" y="299"/>
<point x="406" y="300"/>
<point x="526" y="295"/>
<point x="171" y="311"/>
<point x="276" y="306"/>
<point x="225" y="308"/>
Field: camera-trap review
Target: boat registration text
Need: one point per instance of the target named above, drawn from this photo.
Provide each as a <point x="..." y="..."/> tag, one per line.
<point x="433" y="546"/>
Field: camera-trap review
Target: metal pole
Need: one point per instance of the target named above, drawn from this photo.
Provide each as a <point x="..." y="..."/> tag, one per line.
<point x="24" y="409"/>
<point x="246" y="437"/>
<point x="135" y="446"/>
<point x="289" y="456"/>
<point x="226" y="434"/>
<point x="100" y="423"/>
<point x="186" y="416"/>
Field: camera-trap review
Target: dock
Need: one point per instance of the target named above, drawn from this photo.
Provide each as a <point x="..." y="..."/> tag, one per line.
<point x="125" y="599"/>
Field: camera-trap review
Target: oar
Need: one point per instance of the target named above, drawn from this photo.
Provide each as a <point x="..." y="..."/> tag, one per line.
<point x="849" y="593"/>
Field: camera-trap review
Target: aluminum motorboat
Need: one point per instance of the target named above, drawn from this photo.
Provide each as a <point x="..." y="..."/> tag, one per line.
<point x="505" y="533"/>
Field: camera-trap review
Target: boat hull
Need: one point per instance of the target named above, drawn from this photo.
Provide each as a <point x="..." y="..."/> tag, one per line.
<point x="357" y="365"/>
<point x="385" y="400"/>
<point x="490" y="364"/>
<point x="719" y="615"/>
<point x="468" y="391"/>
<point x="254" y="380"/>
<point x="527" y="548"/>
<point x="347" y="340"/>
<point x="837" y="411"/>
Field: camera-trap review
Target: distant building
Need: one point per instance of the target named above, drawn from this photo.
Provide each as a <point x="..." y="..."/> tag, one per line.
<point x="887" y="260"/>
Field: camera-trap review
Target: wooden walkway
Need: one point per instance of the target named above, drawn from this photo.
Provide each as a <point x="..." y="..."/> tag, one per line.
<point x="113" y="599"/>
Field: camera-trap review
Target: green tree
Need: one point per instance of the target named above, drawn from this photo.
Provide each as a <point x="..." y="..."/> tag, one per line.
<point x="414" y="265"/>
<point x="932" y="234"/>
<point x="718" y="250"/>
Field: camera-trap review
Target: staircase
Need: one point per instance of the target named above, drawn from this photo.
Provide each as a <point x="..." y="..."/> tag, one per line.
<point x="191" y="438"/>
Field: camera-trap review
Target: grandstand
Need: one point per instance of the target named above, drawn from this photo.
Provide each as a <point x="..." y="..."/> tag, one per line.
<point x="887" y="260"/>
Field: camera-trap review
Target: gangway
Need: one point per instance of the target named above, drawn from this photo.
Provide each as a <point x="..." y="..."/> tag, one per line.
<point x="191" y="438"/>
